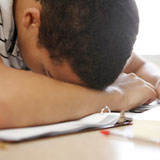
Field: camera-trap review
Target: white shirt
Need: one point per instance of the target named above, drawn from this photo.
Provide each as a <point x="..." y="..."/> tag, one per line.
<point x="9" y="50"/>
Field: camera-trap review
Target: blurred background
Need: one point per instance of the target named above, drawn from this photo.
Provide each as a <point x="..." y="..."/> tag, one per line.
<point x="148" y="41"/>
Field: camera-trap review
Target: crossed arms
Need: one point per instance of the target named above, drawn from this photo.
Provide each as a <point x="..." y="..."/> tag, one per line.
<point x="28" y="99"/>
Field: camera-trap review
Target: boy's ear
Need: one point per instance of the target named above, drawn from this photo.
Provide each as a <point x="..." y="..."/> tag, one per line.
<point x="31" y="18"/>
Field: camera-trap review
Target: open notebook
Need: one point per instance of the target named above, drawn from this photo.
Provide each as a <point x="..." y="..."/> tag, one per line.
<point x="95" y="121"/>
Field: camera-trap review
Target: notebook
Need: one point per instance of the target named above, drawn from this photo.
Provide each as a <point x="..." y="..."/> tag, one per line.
<point x="144" y="108"/>
<point x="147" y="125"/>
<point x="95" y="121"/>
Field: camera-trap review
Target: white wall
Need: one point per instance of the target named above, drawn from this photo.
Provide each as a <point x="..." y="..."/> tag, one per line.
<point x="148" y="41"/>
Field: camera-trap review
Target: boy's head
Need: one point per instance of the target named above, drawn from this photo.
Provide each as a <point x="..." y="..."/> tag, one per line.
<point x="90" y="40"/>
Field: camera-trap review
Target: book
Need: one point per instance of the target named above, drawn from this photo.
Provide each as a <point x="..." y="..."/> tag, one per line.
<point x="94" y="121"/>
<point x="147" y="125"/>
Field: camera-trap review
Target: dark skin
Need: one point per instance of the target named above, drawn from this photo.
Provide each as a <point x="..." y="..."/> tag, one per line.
<point x="52" y="92"/>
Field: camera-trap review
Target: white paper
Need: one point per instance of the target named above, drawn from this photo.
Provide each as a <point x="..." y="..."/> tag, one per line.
<point x="93" y="121"/>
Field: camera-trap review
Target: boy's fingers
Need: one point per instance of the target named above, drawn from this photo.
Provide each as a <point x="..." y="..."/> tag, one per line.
<point x="150" y="101"/>
<point x="149" y="95"/>
<point x="148" y="84"/>
<point x="151" y="86"/>
<point x="158" y="89"/>
<point x="152" y="94"/>
<point x="155" y="93"/>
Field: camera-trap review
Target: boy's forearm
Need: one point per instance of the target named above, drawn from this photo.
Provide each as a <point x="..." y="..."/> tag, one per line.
<point x="145" y="70"/>
<point x="149" y="72"/>
<point x="28" y="99"/>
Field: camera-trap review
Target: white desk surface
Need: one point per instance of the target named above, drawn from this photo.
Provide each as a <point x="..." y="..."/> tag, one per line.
<point x="82" y="146"/>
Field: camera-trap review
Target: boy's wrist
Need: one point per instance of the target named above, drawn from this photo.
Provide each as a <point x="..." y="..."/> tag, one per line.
<point x="115" y="97"/>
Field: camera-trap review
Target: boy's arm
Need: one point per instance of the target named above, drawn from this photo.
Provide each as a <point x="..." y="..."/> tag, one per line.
<point x="145" y="70"/>
<point x="28" y="99"/>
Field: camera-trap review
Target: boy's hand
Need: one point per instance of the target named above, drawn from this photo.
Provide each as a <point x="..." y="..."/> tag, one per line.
<point x="134" y="91"/>
<point x="157" y="86"/>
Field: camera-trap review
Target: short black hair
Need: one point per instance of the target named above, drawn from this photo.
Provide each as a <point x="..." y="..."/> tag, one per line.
<point x="95" y="37"/>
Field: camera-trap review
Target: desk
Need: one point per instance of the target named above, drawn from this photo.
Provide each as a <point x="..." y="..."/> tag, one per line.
<point x="82" y="146"/>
